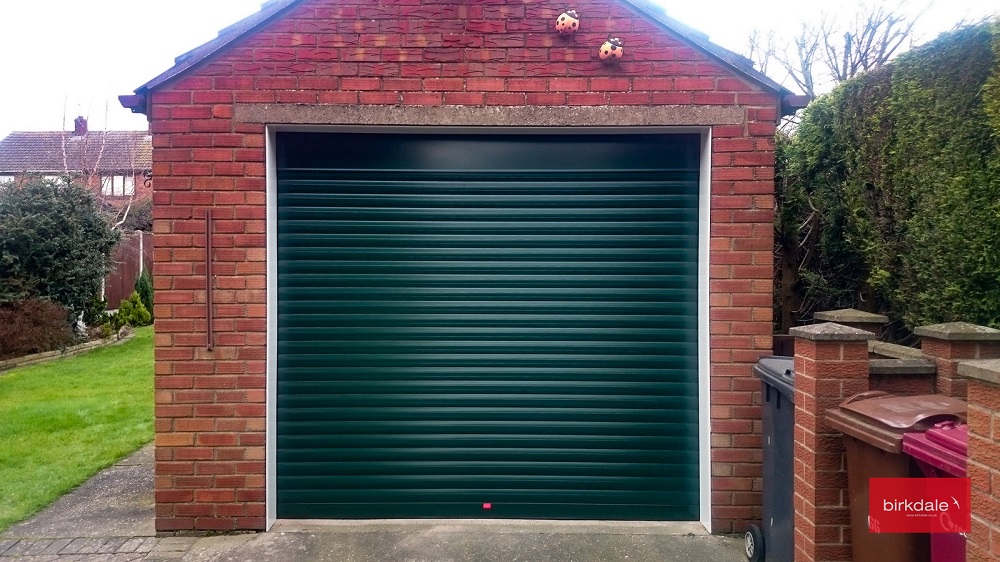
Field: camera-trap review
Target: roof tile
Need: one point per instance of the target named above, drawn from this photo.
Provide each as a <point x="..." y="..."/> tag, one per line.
<point x="58" y="152"/>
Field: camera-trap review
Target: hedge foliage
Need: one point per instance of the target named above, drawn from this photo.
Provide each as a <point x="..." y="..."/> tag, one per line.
<point x="55" y="244"/>
<point x="889" y="188"/>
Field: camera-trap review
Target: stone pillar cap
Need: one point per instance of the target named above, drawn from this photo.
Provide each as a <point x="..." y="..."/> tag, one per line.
<point x="828" y="331"/>
<point x="851" y="316"/>
<point x="957" y="331"/>
<point x="984" y="370"/>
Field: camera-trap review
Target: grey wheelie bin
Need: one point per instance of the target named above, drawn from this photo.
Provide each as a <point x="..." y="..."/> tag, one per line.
<point x="774" y="540"/>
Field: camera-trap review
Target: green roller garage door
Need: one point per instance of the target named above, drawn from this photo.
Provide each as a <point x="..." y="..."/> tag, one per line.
<point x="487" y="325"/>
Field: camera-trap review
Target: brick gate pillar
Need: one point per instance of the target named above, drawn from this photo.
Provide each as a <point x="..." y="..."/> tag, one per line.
<point x="831" y="364"/>
<point x="951" y="343"/>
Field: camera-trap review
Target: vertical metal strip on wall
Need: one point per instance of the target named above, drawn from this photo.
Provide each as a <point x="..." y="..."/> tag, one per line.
<point x="209" y="328"/>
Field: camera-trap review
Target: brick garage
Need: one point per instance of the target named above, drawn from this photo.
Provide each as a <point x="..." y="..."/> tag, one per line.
<point x="218" y="120"/>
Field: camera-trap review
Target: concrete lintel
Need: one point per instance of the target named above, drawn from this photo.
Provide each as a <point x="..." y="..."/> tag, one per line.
<point x="986" y="371"/>
<point x="958" y="331"/>
<point x="851" y="316"/>
<point x="828" y="331"/>
<point x="468" y="116"/>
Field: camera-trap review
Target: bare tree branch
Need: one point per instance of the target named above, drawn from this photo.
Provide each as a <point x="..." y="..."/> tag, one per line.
<point x="125" y="209"/>
<point x="86" y="167"/>
<point x="800" y="65"/>
<point x="761" y="48"/>
<point x="64" y="157"/>
<point x="870" y="41"/>
<point x="828" y="49"/>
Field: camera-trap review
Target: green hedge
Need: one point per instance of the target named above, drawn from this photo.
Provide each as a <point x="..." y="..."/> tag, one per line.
<point x="889" y="188"/>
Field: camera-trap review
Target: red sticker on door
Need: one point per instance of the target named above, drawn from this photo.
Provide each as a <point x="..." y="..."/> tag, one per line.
<point x="919" y="505"/>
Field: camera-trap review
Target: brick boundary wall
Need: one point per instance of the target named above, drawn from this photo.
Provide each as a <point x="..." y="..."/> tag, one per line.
<point x="210" y="405"/>
<point x="831" y="364"/>
<point x="984" y="458"/>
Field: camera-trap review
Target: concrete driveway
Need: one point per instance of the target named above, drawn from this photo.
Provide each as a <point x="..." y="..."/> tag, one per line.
<point x="110" y="518"/>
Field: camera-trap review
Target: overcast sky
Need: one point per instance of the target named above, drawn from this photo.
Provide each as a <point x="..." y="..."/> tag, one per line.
<point x="63" y="58"/>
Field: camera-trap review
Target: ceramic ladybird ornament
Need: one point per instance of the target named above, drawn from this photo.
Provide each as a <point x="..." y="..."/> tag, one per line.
<point x="612" y="50"/>
<point x="568" y="22"/>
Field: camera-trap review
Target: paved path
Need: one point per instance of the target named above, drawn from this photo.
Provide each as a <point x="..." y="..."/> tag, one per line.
<point x="110" y="519"/>
<point x="112" y="549"/>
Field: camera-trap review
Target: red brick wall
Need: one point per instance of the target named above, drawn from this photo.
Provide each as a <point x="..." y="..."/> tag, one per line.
<point x="210" y="405"/>
<point x="984" y="469"/>
<point x="903" y="385"/>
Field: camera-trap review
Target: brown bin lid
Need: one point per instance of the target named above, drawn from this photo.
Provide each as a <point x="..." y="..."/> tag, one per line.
<point x="880" y="419"/>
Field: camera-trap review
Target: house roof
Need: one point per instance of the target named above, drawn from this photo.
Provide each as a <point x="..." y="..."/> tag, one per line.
<point x="58" y="151"/>
<point x="273" y="8"/>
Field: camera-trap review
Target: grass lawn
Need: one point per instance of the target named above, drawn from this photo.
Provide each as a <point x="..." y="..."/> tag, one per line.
<point x="61" y="422"/>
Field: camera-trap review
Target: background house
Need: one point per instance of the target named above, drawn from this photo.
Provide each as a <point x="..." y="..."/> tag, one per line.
<point x="116" y="164"/>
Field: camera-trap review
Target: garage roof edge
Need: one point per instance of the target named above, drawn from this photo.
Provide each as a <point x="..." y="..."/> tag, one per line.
<point x="227" y="36"/>
<point x="731" y="59"/>
<point x="273" y="8"/>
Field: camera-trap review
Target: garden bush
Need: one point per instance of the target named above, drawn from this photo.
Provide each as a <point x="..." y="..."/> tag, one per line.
<point x="96" y="312"/>
<point x="131" y="312"/>
<point x="33" y="326"/>
<point x="55" y="244"/>
<point x="144" y="286"/>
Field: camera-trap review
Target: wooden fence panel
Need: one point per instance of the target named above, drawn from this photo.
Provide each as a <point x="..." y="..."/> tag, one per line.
<point x="134" y="251"/>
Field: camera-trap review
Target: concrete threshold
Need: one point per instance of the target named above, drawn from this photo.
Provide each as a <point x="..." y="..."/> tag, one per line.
<point x="662" y="528"/>
<point x="485" y="540"/>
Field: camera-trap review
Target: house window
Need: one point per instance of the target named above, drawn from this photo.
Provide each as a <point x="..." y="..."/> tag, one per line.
<point x="6" y="179"/>
<point x="118" y="186"/>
